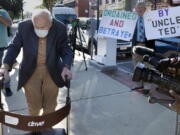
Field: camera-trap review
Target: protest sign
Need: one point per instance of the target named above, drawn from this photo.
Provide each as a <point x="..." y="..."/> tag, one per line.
<point x="118" y="24"/>
<point x="162" y="23"/>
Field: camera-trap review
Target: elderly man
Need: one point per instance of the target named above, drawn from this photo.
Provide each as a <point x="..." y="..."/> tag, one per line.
<point x="46" y="60"/>
<point x="139" y="39"/>
<point x="5" y="21"/>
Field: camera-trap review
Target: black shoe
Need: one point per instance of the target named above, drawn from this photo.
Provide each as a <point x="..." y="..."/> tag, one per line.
<point x="8" y="92"/>
<point x="145" y="91"/>
<point x="137" y="88"/>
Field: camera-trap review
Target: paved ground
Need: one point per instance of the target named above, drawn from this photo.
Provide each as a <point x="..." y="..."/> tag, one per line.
<point x="101" y="106"/>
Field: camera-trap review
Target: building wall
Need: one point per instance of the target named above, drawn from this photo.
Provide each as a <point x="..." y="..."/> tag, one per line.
<point x="159" y="4"/>
<point x="149" y="4"/>
<point x="82" y="8"/>
<point x="111" y="4"/>
<point x="130" y="5"/>
<point x="92" y="8"/>
<point x="87" y="8"/>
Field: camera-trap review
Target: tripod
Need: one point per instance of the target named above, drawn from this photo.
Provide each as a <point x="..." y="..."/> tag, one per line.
<point x="73" y="35"/>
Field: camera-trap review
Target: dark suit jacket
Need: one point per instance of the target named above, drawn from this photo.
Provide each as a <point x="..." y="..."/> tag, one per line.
<point x="148" y="43"/>
<point x="58" y="53"/>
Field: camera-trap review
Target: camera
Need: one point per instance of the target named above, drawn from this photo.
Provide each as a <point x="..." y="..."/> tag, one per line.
<point x="165" y="81"/>
<point x="157" y="60"/>
<point x="1" y="83"/>
<point x="158" y="63"/>
<point x="163" y="72"/>
<point x="158" y="73"/>
<point x="141" y="50"/>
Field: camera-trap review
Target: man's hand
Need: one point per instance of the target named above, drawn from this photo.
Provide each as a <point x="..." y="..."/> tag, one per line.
<point x="176" y="104"/>
<point x="4" y="72"/>
<point x="66" y="72"/>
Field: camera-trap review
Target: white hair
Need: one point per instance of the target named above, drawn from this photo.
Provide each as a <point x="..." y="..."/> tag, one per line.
<point x="41" y="12"/>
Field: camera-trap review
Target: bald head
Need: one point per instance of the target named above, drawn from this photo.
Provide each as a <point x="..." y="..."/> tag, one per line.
<point x="140" y="8"/>
<point x="42" y="19"/>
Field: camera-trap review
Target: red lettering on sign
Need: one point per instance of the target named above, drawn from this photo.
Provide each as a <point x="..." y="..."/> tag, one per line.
<point x="117" y="23"/>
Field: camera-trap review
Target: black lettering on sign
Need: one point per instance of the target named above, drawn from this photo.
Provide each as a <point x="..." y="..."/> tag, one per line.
<point x="160" y="30"/>
<point x="178" y="19"/>
<point x="173" y="30"/>
<point x="166" y="31"/>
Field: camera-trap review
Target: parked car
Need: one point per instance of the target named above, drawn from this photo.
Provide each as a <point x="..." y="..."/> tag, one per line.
<point x="123" y="47"/>
<point x="64" y="14"/>
<point x="169" y="47"/>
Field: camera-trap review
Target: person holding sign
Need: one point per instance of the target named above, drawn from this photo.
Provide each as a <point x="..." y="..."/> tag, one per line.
<point x="139" y="39"/>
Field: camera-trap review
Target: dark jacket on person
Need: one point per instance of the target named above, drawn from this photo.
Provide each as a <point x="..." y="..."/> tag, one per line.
<point x="148" y="43"/>
<point x="58" y="53"/>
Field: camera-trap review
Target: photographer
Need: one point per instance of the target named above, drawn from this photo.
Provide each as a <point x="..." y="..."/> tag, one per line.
<point x="139" y="39"/>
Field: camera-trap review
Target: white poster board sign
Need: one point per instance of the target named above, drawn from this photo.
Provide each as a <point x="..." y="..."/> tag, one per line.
<point x="118" y="24"/>
<point x="162" y="23"/>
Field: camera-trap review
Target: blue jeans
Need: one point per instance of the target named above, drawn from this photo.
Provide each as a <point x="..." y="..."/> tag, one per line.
<point x="7" y="84"/>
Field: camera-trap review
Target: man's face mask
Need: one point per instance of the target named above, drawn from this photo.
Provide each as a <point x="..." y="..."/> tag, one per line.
<point x="41" y="33"/>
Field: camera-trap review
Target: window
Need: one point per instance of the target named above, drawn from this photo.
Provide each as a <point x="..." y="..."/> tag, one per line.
<point x="113" y="1"/>
<point x="107" y="1"/>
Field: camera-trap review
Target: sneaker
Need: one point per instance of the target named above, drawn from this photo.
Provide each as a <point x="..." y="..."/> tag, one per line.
<point x="8" y="92"/>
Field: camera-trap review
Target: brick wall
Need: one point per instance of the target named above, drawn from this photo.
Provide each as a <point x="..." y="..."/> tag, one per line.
<point x="82" y="8"/>
<point x="159" y="4"/>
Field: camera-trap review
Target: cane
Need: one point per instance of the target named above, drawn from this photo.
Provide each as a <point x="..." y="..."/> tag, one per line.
<point x="1" y="105"/>
<point x="68" y="100"/>
<point x="1" y="87"/>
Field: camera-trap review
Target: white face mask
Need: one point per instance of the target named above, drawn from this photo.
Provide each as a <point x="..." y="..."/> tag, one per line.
<point x="41" y="33"/>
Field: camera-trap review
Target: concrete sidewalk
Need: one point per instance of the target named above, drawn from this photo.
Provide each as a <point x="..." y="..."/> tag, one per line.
<point x="102" y="106"/>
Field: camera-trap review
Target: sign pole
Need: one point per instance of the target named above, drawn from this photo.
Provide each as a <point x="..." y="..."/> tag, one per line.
<point x="97" y="14"/>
